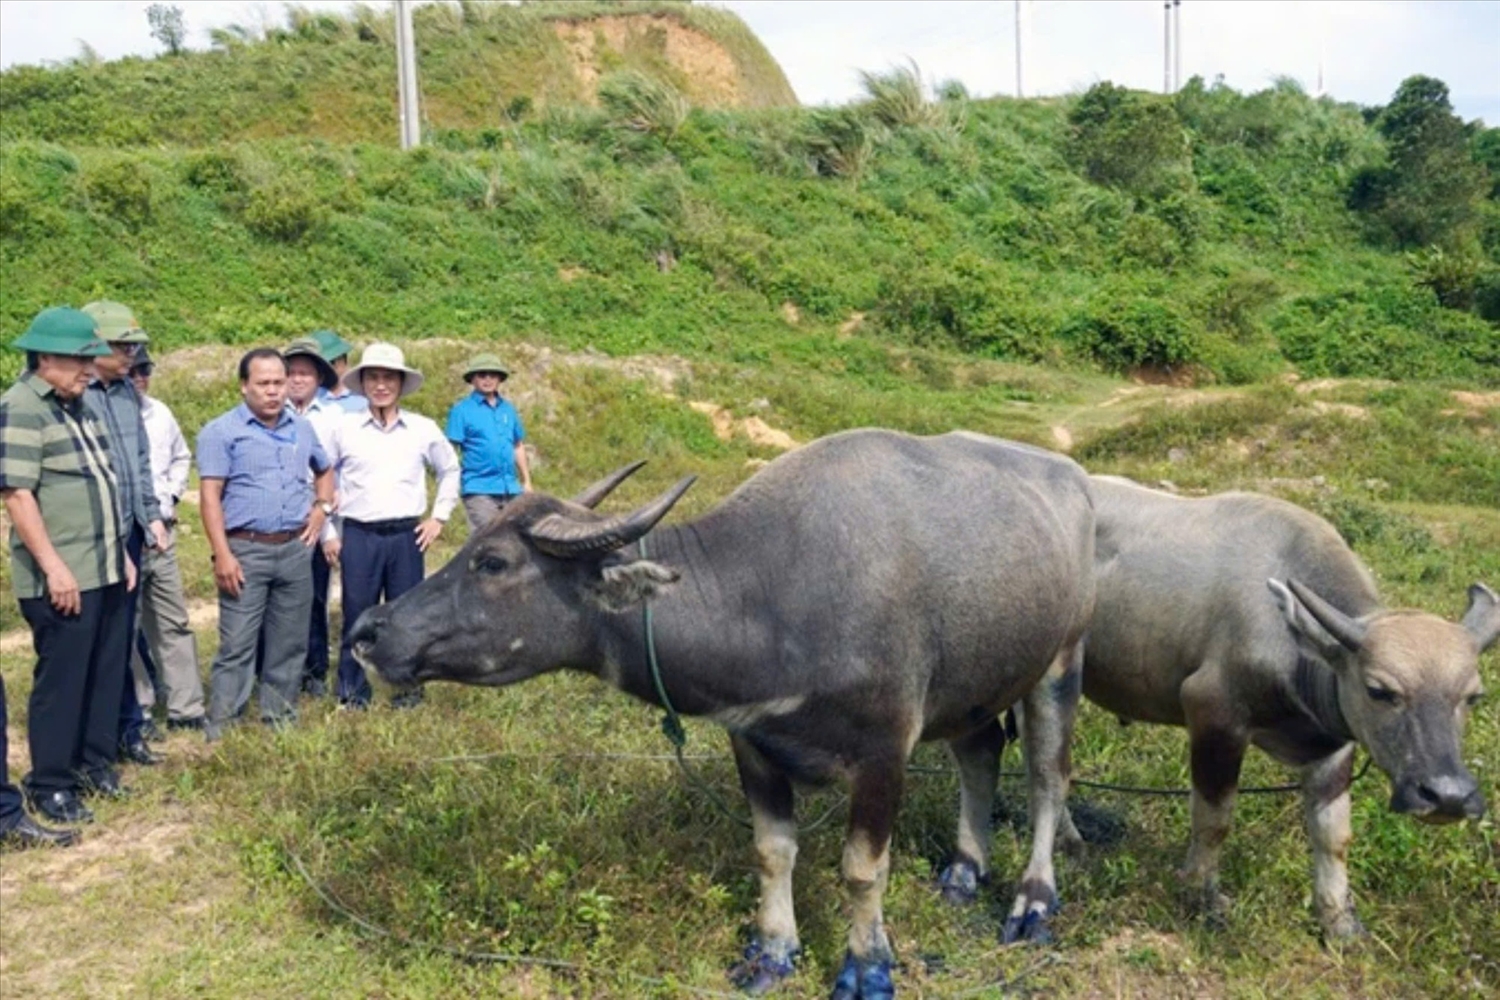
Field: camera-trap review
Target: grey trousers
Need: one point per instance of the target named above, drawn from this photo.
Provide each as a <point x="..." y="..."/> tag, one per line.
<point x="481" y="507"/>
<point x="275" y="602"/>
<point x="164" y="619"/>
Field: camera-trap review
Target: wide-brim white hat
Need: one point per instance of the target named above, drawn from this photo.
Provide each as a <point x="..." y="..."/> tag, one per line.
<point x="387" y="356"/>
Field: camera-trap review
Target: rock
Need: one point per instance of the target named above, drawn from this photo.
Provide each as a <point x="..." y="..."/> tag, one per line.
<point x="1177" y="456"/>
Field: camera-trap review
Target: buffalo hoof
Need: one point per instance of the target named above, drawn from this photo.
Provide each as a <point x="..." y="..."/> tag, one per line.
<point x="1031" y="914"/>
<point x="1344" y="932"/>
<point x="760" y="970"/>
<point x="863" y="980"/>
<point x="959" y="882"/>
<point x="1032" y="927"/>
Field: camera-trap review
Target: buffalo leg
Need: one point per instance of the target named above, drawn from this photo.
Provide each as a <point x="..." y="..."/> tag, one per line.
<point x="1047" y="731"/>
<point x="1217" y="750"/>
<point x="866" y="973"/>
<point x="978" y="758"/>
<point x="1325" y="812"/>
<point x="771" y="956"/>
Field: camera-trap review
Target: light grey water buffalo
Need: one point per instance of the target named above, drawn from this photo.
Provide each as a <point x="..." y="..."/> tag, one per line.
<point x="1248" y="620"/>
<point x="856" y="596"/>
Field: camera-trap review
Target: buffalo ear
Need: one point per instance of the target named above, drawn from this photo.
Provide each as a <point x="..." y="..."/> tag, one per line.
<point x="1483" y="617"/>
<point x="625" y="585"/>
<point x="1334" y="637"/>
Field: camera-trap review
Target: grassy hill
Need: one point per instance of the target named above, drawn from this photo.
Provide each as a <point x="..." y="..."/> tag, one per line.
<point x="332" y="77"/>
<point x="1209" y="236"/>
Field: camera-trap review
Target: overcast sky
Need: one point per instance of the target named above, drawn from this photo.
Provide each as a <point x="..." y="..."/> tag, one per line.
<point x="1366" y="47"/>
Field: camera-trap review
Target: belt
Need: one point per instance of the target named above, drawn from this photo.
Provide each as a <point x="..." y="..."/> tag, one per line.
<point x="395" y="525"/>
<point x="266" y="537"/>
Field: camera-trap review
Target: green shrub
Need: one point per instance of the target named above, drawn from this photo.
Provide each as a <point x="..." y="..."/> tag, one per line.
<point x="898" y="99"/>
<point x="1128" y="139"/>
<point x="284" y="210"/>
<point x="123" y="189"/>
<point x="642" y="103"/>
<point x="1122" y="328"/>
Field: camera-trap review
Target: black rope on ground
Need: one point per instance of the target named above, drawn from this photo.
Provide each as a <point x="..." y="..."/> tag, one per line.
<point x="700" y="784"/>
<point x="486" y="957"/>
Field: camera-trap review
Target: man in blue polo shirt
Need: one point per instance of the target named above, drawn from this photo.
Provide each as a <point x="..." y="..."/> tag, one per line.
<point x="487" y="429"/>
<point x="262" y="516"/>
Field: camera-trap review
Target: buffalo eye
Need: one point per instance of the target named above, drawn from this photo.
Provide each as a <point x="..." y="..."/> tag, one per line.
<point x="1383" y="695"/>
<point x="489" y="563"/>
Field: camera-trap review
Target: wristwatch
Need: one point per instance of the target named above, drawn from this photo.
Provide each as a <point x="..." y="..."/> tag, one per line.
<point x="326" y="506"/>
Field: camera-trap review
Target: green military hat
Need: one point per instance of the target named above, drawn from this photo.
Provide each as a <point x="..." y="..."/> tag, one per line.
<point x="485" y="363"/>
<point x="61" y="330"/>
<point x="116" y="322"/>
<point x="307" y="347"/>
<point x="331" y="345"/>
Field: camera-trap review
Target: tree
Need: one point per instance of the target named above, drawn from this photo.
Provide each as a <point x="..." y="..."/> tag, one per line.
<point x="167" y="26"/>
<point x="1128" y="140"/>
<point x="1429" y="191"/>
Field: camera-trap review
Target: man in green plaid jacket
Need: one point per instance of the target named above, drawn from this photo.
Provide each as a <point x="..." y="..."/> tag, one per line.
<point x="68" y="566"/>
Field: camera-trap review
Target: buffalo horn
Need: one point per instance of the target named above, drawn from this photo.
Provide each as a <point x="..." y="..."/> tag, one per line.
<point x="1350" y="632"/>
<point x="571" y="538"/>
<point x="590" y="497"/>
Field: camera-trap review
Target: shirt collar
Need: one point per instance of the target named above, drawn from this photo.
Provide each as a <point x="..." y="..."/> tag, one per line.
<point x="242" y="412"/>
<point x="479" y="397"/>
<point x="369" y="418"/>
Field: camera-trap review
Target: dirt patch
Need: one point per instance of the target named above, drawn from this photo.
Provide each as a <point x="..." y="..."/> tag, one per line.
<point x="1350" y="410"/>
<point x="1062" y="437"/>
<point x="790" y="312"/>
<point x="755" y="429"/>
<point x="854" y="321"/>
<point x="713" y="74"/>
<point x="1477" y="404"/>
<point x="1164" y="375"/>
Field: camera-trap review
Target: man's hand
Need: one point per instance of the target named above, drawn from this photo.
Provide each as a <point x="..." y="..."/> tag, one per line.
<point x="130" y="574"/>
<point x="62" y="591"/>
<point x="159" y="537"/>
<point x="315" y="520"/>
<point x="331" y="551"/>
<point x="427" y="533"/>
<point x="228" y="574"/>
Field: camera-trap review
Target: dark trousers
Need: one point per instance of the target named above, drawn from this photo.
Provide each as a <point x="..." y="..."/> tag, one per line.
<point x="73" y="721"/>
<point x="10" y="795"/>
<point x="132" y="718"/>
<point x="380" y="560"/>
<point x="317" y="629"/>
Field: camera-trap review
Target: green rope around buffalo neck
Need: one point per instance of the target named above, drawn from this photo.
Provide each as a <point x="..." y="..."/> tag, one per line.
<point x="671" y="723"/>
<point x="671" y="726"/>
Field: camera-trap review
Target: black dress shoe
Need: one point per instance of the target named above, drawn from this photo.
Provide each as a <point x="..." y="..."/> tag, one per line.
<point x="139" y="753"/>
<point x="27" y="832"/>
<point x="60" y="807"/>
<point x="151" y="732"/>
<point x="106" y="786"/>
<point x="195" y="723"/>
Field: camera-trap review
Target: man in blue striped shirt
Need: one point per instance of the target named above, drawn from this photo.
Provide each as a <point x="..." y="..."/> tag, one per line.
<point x="262" y="517"/>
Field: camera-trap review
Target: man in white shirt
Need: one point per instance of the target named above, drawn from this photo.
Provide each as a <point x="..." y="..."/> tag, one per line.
<point x="164" y="616"/>
<point x="382" y="456"/>
<point x="309" y="379"/>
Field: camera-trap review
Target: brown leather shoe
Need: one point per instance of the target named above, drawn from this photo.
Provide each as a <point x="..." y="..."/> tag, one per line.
<point x="28" y="833"/>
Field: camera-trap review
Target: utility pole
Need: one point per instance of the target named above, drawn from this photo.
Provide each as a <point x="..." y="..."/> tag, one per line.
<point x="1019" y="93"/>
<point x="406" y="77"/>
<point x="1166" y="47"/>
<point x="1176" y="45"/>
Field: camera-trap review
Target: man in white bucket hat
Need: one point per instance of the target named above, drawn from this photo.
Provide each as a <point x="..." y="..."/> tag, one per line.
<point x="382" y="455"/>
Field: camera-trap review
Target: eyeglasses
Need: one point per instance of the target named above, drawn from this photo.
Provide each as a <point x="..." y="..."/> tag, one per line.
<point x="144" y="371"/>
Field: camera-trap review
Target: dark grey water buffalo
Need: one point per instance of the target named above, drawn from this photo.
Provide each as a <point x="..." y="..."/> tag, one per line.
<point x="1248" y="620"/>
<point x="856" y="596"/>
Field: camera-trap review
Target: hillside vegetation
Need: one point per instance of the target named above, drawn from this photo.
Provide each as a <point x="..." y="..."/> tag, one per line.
<point x="1212" y="235"/>
<point x="333" y="77"/>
